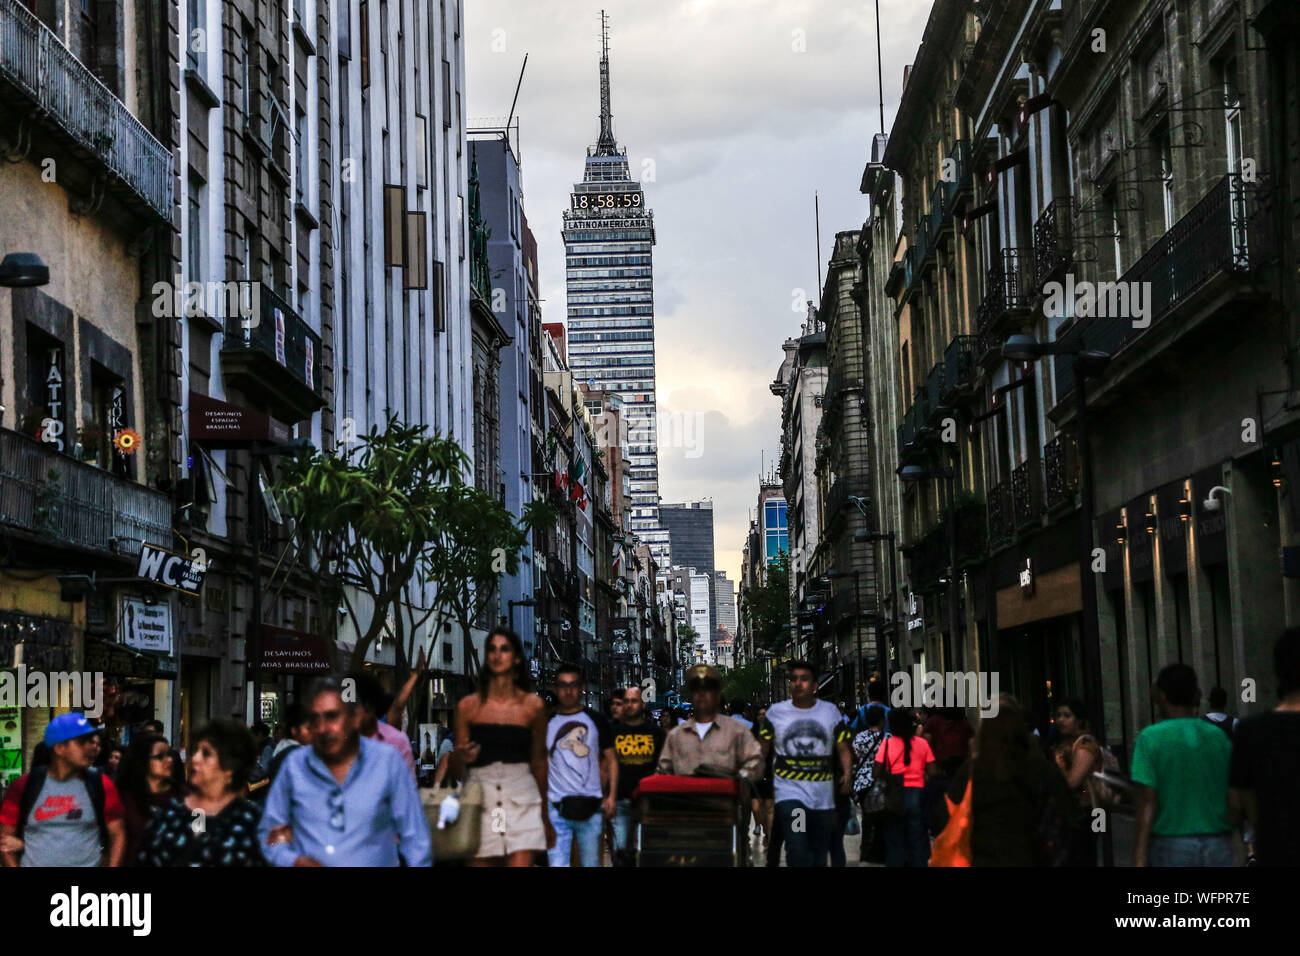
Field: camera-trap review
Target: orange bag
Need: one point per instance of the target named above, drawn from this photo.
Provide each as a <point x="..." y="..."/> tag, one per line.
<point x="952" y="846"/>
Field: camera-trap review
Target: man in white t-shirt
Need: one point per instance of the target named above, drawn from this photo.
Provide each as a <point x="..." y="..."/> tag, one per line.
<point x="805" y="735"/>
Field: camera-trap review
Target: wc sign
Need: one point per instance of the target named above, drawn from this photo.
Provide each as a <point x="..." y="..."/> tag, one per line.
<point x="171" y="570"/>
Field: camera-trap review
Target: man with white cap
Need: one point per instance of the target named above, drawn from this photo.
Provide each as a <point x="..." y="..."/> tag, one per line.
<point x="66" y="813"/>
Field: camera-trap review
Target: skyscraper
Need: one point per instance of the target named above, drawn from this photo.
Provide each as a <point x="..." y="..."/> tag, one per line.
<point x="608" y="237"/>
<point x="690" y="533"/>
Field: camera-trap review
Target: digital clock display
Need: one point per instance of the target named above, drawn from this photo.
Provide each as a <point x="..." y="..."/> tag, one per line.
<point x="607" y="200"/>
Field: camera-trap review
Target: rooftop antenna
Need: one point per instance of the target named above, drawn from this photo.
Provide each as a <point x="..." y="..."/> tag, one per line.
<point x="514" y="101"/>
<point x="605" y="146"/>
<point x="880" y="74"/>
<point x="817" y="216"/>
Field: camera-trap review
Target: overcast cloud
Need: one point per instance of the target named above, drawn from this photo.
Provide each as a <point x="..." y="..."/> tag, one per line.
<point x="740" y="127"/>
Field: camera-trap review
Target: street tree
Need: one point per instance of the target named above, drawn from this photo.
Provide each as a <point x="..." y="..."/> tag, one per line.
<point x="768" y="606"/>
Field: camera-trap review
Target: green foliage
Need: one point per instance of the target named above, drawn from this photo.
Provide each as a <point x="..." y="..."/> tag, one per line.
<point x="392" y="516"/>
<point x="747" y="682"/>
<point x="769" y="606"/>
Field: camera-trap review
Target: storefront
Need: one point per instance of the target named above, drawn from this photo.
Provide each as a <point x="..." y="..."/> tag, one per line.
<point x="1038" y="606"/>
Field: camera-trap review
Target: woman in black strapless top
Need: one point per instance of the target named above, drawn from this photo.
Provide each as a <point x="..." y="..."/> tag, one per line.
<point x="501" y="745"/>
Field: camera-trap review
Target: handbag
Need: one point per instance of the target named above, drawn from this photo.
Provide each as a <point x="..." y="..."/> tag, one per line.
<point x="459" y="840"/>
<point x="952" y="846"/>
<point x="577" y="809"/>
<point x="852" y="827"/>
<point x="893" y="798"/>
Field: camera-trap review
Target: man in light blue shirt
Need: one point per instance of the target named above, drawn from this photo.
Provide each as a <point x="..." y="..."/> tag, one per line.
<point x="344" y="801"/>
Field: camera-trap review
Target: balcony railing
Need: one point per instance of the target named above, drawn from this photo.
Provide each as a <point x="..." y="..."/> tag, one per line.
<point x="1230" y="231"/>
<point x="1027" y="492"/>
<point x="281" y="354"/>
<point x="934" y="391"/>
<point x="1053" y="239"/>
<point x="1061" y="470"/>
<point x="958" y="365"/>
<point x="68" y="502"/>
<point x="1002" y="521"/>
<point x="33" y="60"/>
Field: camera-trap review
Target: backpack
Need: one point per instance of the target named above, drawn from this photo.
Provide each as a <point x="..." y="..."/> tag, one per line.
<point x="1225" y="725"/>
<point x="36" y="782"/>
<point x="1103" y="785"/>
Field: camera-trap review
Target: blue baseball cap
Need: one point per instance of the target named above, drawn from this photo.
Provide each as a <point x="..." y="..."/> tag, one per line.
<point x="67" y="727"/>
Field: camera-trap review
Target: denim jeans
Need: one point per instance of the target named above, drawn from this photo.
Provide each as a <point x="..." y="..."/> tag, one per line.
<point x="622" y="827"/>
<point x="586" y="832"/>
<point x="906" y="841"/>
<point x="1200" y="850"/>
<point x="810" y="843"/>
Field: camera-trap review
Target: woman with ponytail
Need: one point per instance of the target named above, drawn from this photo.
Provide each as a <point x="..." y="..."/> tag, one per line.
<point x="907" y="754"/>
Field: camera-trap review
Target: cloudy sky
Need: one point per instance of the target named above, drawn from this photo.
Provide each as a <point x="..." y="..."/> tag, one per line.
<point x="744" y="108"/>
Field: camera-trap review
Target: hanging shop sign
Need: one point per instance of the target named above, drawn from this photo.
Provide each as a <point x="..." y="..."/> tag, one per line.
<point x="171" y="570"/>
<point x="147" y="626"/>
<point x="293" y="652"/>
<point x="218" y="424"/>
<point x="1027" y="577"/>
<point x="118" y="660"/>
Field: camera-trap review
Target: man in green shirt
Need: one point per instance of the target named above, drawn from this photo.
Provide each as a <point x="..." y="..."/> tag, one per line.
<point x="1181" y="766"/>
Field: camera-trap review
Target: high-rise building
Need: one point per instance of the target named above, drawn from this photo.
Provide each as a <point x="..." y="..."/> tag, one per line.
<point x="690" y="533"/>
<point x="608" y="236"/>
<point x="724" y="602"/>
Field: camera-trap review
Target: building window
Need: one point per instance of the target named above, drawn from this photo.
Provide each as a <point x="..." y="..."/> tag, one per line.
<point x="1165" y="172"/>
<point x="446" y="95"/>
<point x="421" y="150"/>
<point x="47" y="390"/>
<point x="301" y="146"/>
<point x="194" y="250"/>
<point x="394" y="226"/>
<point x="197" y="40"/>
<point x="246" y="67"/>
<point x="417" y="275"/>
<point x="365" y="44"/>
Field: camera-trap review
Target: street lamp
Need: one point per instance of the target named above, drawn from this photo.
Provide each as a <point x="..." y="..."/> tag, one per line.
<point x="1025" y="348"/>
<point x="855" y="574"/>
<point x="21" y="270"/>
<point x="915" y="473"/>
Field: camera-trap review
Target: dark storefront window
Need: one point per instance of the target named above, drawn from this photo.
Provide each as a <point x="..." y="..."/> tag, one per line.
<point x="1221" y="605"/>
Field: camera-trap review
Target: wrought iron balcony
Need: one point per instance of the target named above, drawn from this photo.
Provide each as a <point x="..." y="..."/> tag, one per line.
<point x="1229" y="232"/>
<point x="934" y="394"/>
<point x="907" y="431"/>
<point x="1061" y="470"/>
<point x="45" y="73"/>
<point x="1053" y="239"/>
<point x="958" y="366"/>
<point x="1002" y="522"/>
<point x="278" y="359"/>
<point x="1027" y="492"/>
<point x="63" y="501"/>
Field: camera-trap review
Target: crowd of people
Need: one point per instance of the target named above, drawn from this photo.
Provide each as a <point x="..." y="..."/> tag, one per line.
<point x="338" y="784"/>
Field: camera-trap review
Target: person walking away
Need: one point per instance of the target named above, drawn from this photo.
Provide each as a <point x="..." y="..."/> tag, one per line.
<point x="1078" y="755"/>
<point x="374" y="702"/>
<point x="637" y="744"/>
<point x="346" y="800"/>
<point x="261" y="739"/>
<point x="297" y="724"/>
<point x="949" y="734"/>
<point x="145" y="786"/>
<point x="906" y="752"/>
<point x="1014" y="788"/>
<point x="582" y="777"/>
<point x="1181" y="766"/>
<point x="500" y="742"/>
<point x="1218" y="715"/>
<point x="806" y="735"/>
<point x="63" y="813"/>
<point x="1265" y="769"/>
<point x="765" y="800"/>
<point x="214" y="825"/>
<point x="865" y="746"/>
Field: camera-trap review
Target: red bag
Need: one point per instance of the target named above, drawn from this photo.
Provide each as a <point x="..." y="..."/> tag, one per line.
<point x="952" y="846"/>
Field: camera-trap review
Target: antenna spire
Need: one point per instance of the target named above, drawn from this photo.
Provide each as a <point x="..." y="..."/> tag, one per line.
<point x="605" y="146"/>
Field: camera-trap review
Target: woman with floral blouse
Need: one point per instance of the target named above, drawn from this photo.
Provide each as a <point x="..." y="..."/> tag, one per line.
<point x="215" y="825"/>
